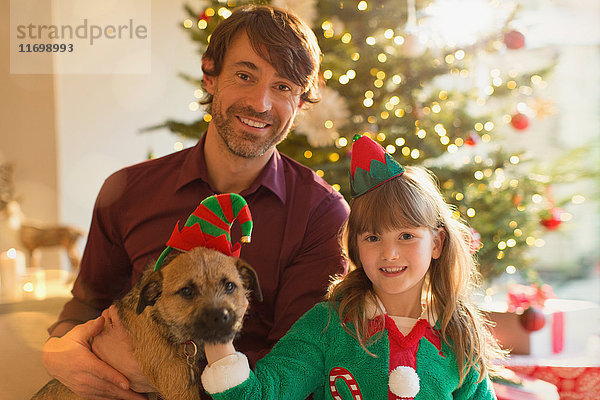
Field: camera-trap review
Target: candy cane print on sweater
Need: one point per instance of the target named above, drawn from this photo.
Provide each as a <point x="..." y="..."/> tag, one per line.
<point x="342" y="373"/>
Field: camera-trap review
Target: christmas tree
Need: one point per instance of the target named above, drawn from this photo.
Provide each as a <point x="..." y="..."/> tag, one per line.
<point x="390" y="73"/>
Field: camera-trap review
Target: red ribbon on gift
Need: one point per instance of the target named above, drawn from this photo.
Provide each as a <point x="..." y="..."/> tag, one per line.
<point x="521" y="297"/>
<point x="558" y="332"/>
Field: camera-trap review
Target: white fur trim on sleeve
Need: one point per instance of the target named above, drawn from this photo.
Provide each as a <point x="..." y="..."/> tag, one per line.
<point x="226" y="373"/>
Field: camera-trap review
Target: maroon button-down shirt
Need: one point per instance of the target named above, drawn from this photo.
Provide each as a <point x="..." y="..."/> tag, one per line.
<point x="294" y="245"/>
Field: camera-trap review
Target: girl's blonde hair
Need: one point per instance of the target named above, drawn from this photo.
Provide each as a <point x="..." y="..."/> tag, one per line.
<point x="414" y="200"/>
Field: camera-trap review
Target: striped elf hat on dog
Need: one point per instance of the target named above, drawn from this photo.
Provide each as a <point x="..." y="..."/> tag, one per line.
<point x="370" y="166"/>
<point x="210" y="226"/>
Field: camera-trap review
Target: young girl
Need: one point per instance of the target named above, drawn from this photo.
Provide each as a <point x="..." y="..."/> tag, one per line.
<point x="399" y="325"/>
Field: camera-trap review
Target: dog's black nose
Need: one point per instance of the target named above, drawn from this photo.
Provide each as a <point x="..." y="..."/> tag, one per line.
<point x="219" y="317"/>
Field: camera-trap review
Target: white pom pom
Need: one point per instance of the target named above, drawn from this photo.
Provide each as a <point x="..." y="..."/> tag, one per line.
<point x="404" y="382"/>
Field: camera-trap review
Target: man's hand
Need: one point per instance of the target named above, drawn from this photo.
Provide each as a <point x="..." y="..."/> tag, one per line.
<point x="70" y="360"/>
<point x="114" y="346"/>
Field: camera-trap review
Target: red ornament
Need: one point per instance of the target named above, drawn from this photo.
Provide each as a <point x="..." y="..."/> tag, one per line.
<point x="551" y="219"/>
<point x="204" y="17"/>
<point x="517" y="198"/>
<point x="472" y="139"/>
<point x="514" y="40"/>
<point x="519" y="121"/>
<point x="532" y="319"/>
<point x="522" y="297"/>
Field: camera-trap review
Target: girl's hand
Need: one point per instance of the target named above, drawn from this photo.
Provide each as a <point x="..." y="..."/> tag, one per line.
<point x="216" y="351"/>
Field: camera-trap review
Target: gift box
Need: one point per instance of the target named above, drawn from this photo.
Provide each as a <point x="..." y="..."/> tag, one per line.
<point x="513" y="386"/>
<point x="569" y="327"/>
<point x="575" y="377"/>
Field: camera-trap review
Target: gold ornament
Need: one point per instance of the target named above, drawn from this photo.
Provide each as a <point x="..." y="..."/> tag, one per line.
<point x="543" y="108"/>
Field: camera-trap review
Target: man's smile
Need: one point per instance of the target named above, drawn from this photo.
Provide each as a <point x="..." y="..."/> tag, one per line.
<point x="253" y="123"/>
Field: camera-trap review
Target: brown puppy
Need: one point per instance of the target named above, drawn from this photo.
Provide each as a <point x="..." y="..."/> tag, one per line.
<point x="198" y="296"/>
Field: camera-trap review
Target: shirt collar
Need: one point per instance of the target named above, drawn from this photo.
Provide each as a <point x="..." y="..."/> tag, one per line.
<point x="374" y="309"/>
<point x="194" y="166"/>
<point x="271" y="177"/>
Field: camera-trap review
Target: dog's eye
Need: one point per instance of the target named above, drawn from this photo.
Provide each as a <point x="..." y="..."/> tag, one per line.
<point x="186" y="292"/>
<point x="229" y="287"/>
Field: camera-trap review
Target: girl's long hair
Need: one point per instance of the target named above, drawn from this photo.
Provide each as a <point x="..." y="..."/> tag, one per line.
<point x="414" y="200"/>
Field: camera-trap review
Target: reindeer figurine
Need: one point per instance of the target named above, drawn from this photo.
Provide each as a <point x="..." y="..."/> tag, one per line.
<point x="34" y="236"/>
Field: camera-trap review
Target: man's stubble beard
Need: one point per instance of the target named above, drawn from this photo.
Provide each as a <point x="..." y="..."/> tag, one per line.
<point x="240" y="142"/>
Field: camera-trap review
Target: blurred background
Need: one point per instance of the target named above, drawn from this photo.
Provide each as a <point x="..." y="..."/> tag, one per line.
<point x="499" y="98"/>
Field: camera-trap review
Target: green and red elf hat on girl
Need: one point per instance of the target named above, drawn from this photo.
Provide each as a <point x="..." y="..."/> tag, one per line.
<point x="210" y="226"/>
<point x="370" y="166"/>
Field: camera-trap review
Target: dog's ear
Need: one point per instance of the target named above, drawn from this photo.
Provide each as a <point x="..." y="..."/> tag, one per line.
<point x="151" y="291"/>
<point x="249" y="278"/>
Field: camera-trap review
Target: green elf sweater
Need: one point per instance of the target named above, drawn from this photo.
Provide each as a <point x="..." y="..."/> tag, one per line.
<point x="318" y="356"/>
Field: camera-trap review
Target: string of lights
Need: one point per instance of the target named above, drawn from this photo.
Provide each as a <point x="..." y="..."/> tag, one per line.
<point x="431" y="96"/>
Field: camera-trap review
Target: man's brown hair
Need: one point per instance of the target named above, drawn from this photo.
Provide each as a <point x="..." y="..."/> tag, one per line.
<point x="279" y="37"/>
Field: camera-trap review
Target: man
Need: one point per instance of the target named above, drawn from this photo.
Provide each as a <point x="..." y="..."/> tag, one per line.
<point x="260" y="67"/>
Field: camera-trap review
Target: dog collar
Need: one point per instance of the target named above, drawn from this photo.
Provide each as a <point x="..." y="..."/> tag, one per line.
<point x="190" y="350"/>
